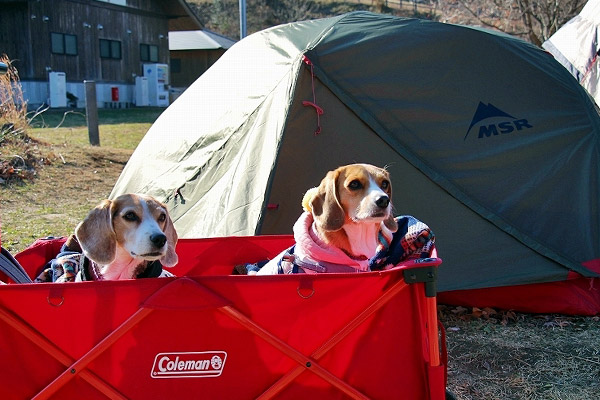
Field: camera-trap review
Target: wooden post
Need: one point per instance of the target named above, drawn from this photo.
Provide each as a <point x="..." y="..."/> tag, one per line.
<point x="91" y="112"/>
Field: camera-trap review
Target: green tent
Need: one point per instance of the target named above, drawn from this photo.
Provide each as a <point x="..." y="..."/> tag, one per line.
<point x="488" y="139"/>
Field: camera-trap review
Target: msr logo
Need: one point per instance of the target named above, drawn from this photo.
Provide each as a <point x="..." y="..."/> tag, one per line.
<point x="493" y="122"/>
<point x="189" y="365"/>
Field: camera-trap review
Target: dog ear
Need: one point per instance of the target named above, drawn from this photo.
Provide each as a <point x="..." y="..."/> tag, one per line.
<point x="170" y="258"/>
<point x="326" y="208"/>
<point x="96" y="235"/>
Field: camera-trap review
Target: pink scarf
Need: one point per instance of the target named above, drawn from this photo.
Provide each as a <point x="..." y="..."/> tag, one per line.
<point x="310" y="247"/>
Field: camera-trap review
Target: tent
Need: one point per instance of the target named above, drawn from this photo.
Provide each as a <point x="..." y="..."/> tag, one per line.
<point x="488" y="140"/>
<point x="576" y="45"/>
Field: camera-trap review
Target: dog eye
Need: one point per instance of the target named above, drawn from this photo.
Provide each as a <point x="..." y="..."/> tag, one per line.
<point x="162" y="217"/>
<point x="355" y="185"/>
<point x="385" y="185"/>
<point x="130" y="216"/>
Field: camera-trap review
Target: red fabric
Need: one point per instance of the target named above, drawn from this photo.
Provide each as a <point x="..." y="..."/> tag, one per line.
<point x="593" y="265"/>
<point x="39" y="253"/>
<point x="234" y="318"/>
<point x="580" y="296"/>
<point x="575" y="296"/>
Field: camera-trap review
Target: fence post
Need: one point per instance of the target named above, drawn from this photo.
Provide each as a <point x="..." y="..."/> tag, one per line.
<point x="91" y="112"/>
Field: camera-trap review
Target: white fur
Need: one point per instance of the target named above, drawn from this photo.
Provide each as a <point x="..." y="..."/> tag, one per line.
<point x="367" y="208"/>
<point x="137" y="243"/>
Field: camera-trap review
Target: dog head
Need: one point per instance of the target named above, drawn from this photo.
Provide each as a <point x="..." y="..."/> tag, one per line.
<point x="359" y="193"/>
<point x="139" y="224"/>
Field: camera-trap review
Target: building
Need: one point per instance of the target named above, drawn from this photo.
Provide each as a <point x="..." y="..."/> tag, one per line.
<point x="192" y="53"/>
<point x="56" y="45"/>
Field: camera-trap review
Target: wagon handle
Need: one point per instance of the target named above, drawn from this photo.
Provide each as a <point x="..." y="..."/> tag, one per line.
<point x="427" y="275"/>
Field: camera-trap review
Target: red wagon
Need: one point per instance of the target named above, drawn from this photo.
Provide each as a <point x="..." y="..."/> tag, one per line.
<point x="211" y="335"/>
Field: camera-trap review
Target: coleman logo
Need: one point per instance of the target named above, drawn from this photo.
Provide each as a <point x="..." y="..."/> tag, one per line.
<point x="489" y="121"/>
<point x="189" y="365"/>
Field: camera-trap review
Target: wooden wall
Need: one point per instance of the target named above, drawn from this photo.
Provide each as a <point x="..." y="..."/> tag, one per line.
<point x="193" y="64"/>
<point x="25" y="28"/>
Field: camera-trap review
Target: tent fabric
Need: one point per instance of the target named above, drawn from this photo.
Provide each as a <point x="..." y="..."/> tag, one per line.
<point x="488" y="140"/>
<point x="576" y="45"/>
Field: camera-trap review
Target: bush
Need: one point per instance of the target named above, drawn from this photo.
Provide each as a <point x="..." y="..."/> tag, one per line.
<point x="19" y="154"/>
<point x="13" y="107"/>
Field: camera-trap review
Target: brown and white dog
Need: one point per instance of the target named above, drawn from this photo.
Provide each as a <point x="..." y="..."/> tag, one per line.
<point x="125" y="235"/>
<point x="346" y="218"/>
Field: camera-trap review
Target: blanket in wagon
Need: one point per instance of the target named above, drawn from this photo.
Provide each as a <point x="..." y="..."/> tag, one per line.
<point x="71" y="265"/>
<point x="413" y="240"/>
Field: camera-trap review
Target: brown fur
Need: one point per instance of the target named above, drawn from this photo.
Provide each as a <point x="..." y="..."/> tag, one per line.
<point x="333" y="202"/>
<point x="105" y="228"/>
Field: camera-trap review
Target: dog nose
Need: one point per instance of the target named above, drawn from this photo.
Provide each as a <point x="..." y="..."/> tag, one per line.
<point x="382" y="202"/>
<point x="158" y="239"/>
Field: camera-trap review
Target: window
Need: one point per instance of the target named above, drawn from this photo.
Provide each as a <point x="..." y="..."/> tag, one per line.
<point x="110" y="49"/>
<point x="148" y="52"/>
<point x="61" y="43"/>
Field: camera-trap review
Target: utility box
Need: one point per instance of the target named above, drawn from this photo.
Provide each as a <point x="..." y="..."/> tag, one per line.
<point x="158" y="84"/>
<point x="141" y="91"/>
<point x="114" y="93"/>
<point x="58" y="89"/>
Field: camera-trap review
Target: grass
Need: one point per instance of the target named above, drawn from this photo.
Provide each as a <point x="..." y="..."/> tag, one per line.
<point x="60" y="128"/>
<point x="77" y="176"/>
<point x="493" y="354"/>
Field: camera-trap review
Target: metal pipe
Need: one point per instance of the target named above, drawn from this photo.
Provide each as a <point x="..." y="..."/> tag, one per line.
<point x="242" y="19"/>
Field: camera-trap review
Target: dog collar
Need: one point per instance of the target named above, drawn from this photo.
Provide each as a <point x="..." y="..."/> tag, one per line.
<point x="384" y="242"/>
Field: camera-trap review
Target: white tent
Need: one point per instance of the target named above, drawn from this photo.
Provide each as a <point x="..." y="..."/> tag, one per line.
<point x="576" y="45"/>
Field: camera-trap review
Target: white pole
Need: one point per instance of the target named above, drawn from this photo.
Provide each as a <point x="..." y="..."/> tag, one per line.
<point x="242" y="19"/>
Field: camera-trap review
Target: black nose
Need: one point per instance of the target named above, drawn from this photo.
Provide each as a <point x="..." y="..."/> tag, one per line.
<point x="382" y="202"/>
<point x="158" y="239"/>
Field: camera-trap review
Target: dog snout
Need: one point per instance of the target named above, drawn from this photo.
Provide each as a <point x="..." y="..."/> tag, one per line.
<point x="158" y="239"/>
<point x="382" y="201"/>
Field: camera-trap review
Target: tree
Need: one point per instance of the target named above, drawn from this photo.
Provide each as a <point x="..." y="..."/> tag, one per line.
<point x="533" y="20"/>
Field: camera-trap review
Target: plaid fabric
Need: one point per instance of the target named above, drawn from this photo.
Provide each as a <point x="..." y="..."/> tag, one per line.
<point x="65" y="266"/>
<point x="70" y="265"/>
<point x="412" y="240"/>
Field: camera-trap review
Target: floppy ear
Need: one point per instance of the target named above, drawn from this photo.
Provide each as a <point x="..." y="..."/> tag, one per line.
<point x="170" y="258"/>
<point x="326" y="208"/>
<point x="96" y="236"/>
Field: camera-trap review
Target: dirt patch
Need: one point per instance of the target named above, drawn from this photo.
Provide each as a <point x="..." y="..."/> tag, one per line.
<point x="59" y="194"/>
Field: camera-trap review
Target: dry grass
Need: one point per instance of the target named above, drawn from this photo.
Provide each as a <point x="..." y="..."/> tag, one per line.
<point x="19" y="154"/>
<point x="492" y="354"/>
<point x="549" y="357"/>
<point x="13" y="110"/>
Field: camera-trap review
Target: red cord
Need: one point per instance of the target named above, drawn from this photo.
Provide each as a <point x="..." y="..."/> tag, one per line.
<point x="313" y="103"/>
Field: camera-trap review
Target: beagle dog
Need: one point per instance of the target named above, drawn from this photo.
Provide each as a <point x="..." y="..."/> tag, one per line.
<point x="125" y="236"/>
<point x="346" y="219"/>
